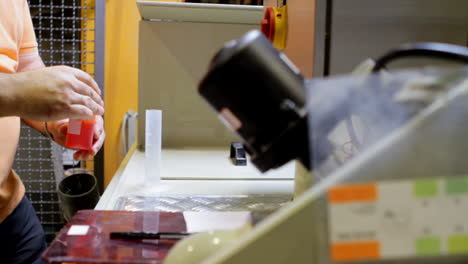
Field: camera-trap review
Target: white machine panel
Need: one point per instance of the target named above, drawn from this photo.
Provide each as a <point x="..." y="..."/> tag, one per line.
<point x="194" y="12"/>
<point x="176" y="44"/>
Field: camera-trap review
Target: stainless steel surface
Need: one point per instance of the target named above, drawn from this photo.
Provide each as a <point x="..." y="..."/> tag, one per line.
<point x="203" y="203"/>
<point x="319" y="38"/>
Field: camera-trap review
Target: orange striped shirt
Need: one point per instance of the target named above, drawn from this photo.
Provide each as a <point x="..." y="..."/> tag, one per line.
<point x="16" y="39"/>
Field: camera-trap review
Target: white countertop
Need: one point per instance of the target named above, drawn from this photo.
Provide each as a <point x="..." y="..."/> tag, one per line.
<point x="191" y="172"/>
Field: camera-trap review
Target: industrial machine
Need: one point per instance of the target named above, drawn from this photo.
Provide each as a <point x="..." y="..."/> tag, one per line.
<point x="381" y="175"/>
<point x="387" y="152"/>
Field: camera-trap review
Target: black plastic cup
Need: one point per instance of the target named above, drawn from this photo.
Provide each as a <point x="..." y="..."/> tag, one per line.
<point x="78" y="191"/>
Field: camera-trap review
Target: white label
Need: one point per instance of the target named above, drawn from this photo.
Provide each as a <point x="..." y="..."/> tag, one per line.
<point x="74" y="127"/>
<point x="404" y="219"/>
<point x="290" y="64"/>
<point x="78" y="230"/>
<point x="208" y="221"/>
<point x="229" y="119"/>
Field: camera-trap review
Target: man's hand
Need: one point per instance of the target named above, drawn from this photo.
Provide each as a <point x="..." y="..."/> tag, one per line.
<point x="58" y="130"/>
<point x="52" y="93"/>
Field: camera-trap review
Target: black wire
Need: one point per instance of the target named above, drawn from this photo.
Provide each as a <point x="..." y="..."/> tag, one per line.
<point x="425" y="49"/>
<point x="328" y="36"/>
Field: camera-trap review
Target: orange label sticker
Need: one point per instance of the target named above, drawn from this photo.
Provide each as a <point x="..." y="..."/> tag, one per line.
<point x="353" y="193"/>
<point x="355" y="251"/>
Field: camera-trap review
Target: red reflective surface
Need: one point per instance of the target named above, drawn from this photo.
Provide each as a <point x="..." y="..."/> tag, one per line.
<point x="96" y="247"/>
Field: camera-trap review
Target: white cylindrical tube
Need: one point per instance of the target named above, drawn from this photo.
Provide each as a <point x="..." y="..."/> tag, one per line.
<point x="153" y="134"/>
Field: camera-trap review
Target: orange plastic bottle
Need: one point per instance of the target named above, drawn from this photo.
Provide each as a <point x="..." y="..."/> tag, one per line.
<point x="80" y="134"/>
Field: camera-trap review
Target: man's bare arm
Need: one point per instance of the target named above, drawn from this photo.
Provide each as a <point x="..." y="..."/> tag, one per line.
<point x="31" y="63"/>
<point x="57" y="130"/>
<point x="51" y="93"/>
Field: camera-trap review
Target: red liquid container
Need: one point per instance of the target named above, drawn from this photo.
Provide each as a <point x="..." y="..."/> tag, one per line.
<point x="80" y="134"/>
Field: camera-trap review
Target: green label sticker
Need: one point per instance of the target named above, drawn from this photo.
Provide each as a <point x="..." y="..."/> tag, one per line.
<point x="456" y="186"/>
<point x="458" y="244"/>
<point x="428" y="246"/>
<point x="425" y="188"/>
